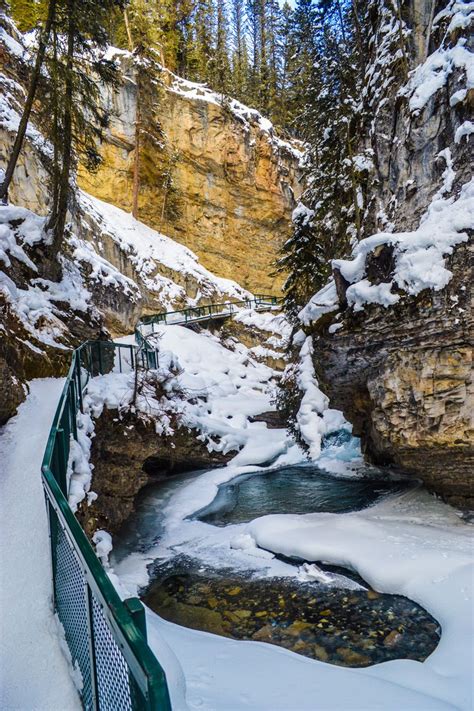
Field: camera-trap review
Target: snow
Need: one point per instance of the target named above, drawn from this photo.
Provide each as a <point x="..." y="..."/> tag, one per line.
<point x="12" y="45"/>
<point x="465" y="129"/>
<point x="449" y="174"/>
<point x="147" y="249"/>
<point x="313" y="404"/>
<point x="302" y="215"/>
<point x="323" y="302"/>
<point x="244" y="114"/>
<point x="419" y="256"/>
<point x="103" y="546"/>
<point x="12" y="93"/>
<point x="229" y="675"/>
<point x="411" y="545"/>
<point x="433" y="74"/>
<point x="34" y="673"/>
<point x="79" y="474"/>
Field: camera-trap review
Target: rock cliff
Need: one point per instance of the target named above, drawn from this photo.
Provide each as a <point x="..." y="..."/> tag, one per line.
<point x="114" y="267"/>
<point x="393" y="331"/>
<point x="235" y="181"/>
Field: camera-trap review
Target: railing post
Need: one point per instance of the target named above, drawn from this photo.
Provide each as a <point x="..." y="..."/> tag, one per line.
<point x="137" y="613"/>
<point x="73" y="407"/>
<point x="101" y="367"/>
<point x="90" y="636"/>
<point x="78" y="378"/>
<point x="62" y="460"/>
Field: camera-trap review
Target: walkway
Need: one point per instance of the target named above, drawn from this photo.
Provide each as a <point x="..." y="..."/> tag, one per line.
<point x="34" y="673"/>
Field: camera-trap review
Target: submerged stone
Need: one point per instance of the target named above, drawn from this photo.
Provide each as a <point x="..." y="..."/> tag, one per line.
<point x="319" y="621"/>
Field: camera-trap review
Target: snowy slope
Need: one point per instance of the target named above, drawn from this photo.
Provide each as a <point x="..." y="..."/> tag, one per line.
<point x="419" y="257"/>
<point x="151" y="252"/>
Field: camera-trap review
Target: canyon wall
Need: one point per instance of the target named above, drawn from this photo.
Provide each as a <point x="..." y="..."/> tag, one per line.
<point x="401" y="369"/>
<point x="235" y="182"/>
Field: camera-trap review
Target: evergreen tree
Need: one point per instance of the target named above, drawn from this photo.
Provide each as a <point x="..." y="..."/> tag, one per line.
<point x="240" y="61"/>
<point x="330" y="121"/>
<point x="274" y="59"/>
<point x="219" y="66"/>
<point x="284" y="112"/>
<point x="78" y="119"/>
<point x="44" y="35"/>
<point x="304" y="260"/>
<point x="204" y="32"/>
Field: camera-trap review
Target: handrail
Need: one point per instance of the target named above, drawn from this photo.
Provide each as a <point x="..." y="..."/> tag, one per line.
<point x="193" y="314"/>
<point x="105" y="635"/>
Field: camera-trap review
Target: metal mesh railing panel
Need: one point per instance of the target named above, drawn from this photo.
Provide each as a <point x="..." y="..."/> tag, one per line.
<point x="113" y="677"/>
<point x="72" y="609"/>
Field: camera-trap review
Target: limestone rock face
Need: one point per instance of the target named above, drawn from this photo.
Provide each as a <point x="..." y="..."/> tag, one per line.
<point x="403" y="377"/>
<point x="236" y="183"/>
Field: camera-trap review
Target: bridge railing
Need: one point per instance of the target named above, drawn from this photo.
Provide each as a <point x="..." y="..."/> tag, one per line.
<point x="114" y="668"/>
<point x="146" y="325"/>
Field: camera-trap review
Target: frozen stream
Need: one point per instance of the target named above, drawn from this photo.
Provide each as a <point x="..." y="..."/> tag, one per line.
<point x="327" y="614"/>
<point x="392" y="554"/>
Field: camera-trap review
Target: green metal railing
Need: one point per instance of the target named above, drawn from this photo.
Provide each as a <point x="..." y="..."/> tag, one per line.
<point x="113" y="665"/>
<point x="193" y="314"/>
<point x="106" y="636"/>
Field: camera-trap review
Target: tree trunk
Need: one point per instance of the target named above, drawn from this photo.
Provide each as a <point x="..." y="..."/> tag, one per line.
<point x="136" y="159"/>
<point x="58" y="221"/>
<point x="127" y="27"/>
<point x="43" y="41"/>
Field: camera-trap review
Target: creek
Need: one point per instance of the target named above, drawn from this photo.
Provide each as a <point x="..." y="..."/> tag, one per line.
<point x="325" y="613"/>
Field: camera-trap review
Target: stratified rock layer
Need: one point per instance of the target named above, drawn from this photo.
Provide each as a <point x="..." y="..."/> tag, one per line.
<point x="403" y="377"/>
<point x="236" y="183"/>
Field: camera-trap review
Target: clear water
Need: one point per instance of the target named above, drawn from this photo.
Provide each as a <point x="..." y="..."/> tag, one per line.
<point x="354" y="628"/>
<point x="339" y="625"/>
<point x="296" y="489"/>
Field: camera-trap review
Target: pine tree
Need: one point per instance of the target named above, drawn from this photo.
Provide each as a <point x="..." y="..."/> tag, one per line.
<point x="274" y="53"/>
<point x="304" y="260"/>
<point x="240" y="61"/>
<point x="27" y="14"/>
<point x="204" y="21"/>
<point x="284" y="112"/>
<point x="330" y="120"/>
<point x="219" y="64"/>
<point x="78" y="119"/>
<point x="44" y="36"/>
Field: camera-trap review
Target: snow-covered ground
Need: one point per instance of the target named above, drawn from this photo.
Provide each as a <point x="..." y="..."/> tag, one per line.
<point x="34" y="673"/>
<point x="410" y="544"/>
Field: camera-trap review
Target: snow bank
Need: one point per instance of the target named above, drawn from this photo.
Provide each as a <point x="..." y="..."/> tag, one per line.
<point x="411" y="545"/>
<point x="148" y="249"/>
<point x="313" y="404"/>
<point x="419" y="256"/>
